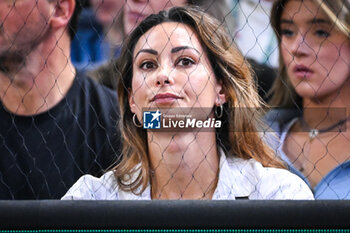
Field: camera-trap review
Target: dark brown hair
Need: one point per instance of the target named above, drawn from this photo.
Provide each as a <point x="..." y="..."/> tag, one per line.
<point x="238" y="135"/>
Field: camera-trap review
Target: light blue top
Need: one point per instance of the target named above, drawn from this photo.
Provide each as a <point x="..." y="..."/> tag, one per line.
<point x="335" y="185"/>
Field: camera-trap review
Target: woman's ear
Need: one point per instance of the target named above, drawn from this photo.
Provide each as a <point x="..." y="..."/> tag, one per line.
<point x="132" y="104"/>
<point x="220" y="92"/>
<point x="62" y="13"/>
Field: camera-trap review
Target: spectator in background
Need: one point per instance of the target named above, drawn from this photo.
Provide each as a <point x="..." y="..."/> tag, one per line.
<point x="99" y="35"/>
<point x="56" y="124"/>
<point x="314" y="86"/>
<point x="137" y="10"/>
<point x="177" y="60"/>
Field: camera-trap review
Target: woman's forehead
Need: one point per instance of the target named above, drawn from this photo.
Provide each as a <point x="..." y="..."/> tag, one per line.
<point x="298" y="9"/>
<point x="168" y="34"/>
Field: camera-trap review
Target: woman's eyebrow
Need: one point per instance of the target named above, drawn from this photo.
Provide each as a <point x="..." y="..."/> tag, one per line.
<point x="319" y="21"/>
<point x="311" y="21"/>
<point x="179" y="48"/>
<point x="287" y="21"/>
<point x="151" y="51"/>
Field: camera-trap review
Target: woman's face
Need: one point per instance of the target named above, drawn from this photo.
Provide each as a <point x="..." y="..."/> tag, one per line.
<point x="136" y="11"/>
<point x="171" y="69"/>
<point x="316" y="54"/>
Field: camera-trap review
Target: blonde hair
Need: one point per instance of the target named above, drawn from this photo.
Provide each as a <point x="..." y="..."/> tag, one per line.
<point x="238" y="135"/>
<point x="338" y="11"/>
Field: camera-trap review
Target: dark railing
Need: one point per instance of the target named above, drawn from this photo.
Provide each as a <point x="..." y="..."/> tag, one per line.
<point x="240" y="214"/>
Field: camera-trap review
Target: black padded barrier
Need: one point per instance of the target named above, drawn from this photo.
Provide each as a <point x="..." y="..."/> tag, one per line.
<point x="240" y="214"/>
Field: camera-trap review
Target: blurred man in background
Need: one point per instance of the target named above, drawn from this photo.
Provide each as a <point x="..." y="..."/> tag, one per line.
<point x="56" y="124"/>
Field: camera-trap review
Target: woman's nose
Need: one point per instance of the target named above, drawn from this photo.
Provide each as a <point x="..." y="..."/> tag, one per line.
<point x="300" y="45"/>
<point x="164" y="76"/>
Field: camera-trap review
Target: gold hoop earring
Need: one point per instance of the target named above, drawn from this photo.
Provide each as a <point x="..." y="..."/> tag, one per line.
<point x="134" y="121"/>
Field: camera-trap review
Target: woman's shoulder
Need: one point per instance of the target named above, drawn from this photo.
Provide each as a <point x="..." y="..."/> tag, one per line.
<point x="89" y="187"/>
<point x="268" y="182"/>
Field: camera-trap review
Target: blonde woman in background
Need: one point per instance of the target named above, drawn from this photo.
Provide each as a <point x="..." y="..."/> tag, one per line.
<point x="182" y="59"/>
<point x="314" y="85"/>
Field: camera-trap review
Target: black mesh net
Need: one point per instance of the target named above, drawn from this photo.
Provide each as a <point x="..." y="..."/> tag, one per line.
<point x="208" y="104"/>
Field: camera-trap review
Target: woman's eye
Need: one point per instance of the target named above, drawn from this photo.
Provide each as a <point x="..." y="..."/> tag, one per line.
<point x="147" y="65"/>
<point x="185" y="62"/>
<point x="287" y="32"/>
<point x="322" y="33"/>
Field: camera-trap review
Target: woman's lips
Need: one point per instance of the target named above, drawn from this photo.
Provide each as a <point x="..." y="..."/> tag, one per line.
<point x="302" y="71"/>
<point x="165" y="98"/>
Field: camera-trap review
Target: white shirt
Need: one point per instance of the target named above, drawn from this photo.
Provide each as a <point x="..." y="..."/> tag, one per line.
<point x="237" y="178"/>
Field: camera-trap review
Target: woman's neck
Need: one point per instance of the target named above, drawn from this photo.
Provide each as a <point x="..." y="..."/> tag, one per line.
<point x="185" y="165"/>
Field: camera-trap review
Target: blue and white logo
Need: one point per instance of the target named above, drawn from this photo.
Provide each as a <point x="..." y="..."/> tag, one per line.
<point x="151" y="119"/>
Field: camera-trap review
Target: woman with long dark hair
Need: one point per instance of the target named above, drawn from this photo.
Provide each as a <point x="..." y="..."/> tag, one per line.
<point x="182" y="60"/>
